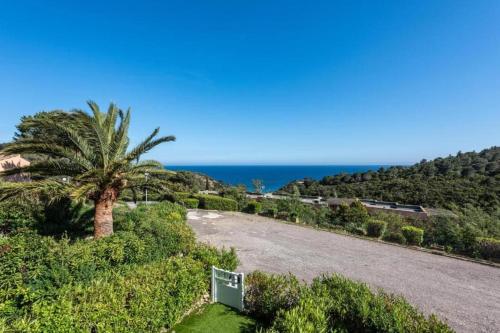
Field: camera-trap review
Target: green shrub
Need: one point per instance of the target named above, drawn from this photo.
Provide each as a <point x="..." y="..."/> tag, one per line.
<point x="253" y="207"/>
<point x="190" y="203"/>
<point x="375" y="228"/>
<point x="214" y="202"/>
<point x="123" y="283"/>
<point x="394" y="237"/>
<point x="335" y="304"/>
<point x="282" y="215"/>
<point x="353" y="307"/>
<point x="14" y="215"/>
<point x="413" y="235"/>
<point x="211" y="256"/>
<point x="355" y="229"/>
<point x="489" y="248"/>
<point x="309" y="316"/>
<point x="270" y="212"/>
<point x="162" y="226"/>
<point x="179" y="196"/>
<point x="150" y="298"/>
<point x="266" y="294"/>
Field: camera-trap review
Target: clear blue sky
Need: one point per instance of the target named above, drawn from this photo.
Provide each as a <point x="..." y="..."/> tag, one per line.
<point x="273" y="82"/>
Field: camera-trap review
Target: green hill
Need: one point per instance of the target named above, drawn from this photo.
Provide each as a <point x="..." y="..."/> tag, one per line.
<point x="451" y="182"/>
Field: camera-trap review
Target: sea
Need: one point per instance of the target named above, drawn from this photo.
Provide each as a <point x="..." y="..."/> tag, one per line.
<point x="273" y="176"/>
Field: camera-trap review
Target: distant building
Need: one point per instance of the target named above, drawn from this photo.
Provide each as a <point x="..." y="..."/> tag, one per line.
<point x="374" y="206"/>
<point x="13" y="161"/>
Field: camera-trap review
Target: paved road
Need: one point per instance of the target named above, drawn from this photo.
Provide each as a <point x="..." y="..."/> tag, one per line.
<point x="466" y="294"/>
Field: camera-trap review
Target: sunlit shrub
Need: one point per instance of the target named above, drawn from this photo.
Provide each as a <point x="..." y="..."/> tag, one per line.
<point x="214" y="202"/>
<point x="413" y="235"/>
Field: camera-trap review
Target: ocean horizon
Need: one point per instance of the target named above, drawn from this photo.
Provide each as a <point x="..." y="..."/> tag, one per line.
<point x="272" y="176"/>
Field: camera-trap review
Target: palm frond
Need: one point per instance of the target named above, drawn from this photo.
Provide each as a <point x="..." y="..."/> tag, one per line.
<point x="54" y="190"/>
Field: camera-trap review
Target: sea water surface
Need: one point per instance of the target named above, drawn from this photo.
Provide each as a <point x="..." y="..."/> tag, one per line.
<point x="272" y="176"/>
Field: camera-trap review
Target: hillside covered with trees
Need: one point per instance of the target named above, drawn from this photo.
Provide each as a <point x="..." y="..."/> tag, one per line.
<point x="452" y="182"/>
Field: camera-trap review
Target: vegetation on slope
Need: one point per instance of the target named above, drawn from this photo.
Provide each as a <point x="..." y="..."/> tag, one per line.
<point x="455" y="181"/>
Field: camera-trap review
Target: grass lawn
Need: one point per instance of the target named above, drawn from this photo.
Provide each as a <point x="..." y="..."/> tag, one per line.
<point x="215" y="318"/>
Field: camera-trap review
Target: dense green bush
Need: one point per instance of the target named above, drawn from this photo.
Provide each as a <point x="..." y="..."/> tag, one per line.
<point x="161" y="226"/>
<point x="355" y="213"/>
<point x="413" y="235"/>
<point x="214" y="202"/>
<point x="394" y="237"/>
<point x="118" y="283"/>
<point x="211" y="256"/>
<point x="269" y="208"/>
<point x="355" y="229"/>
<point x="253" y="207"/>
<point x="147" y="298"/>
<point x="353" y="307"/>
<point x="309" y="316"/>
<point x="192" y="203"/>
<point x="335" y="304"/>
<point x="266" y="294"/>
<point x="14" y="215"/>
<point x="489" y="248"/>
<point x="375" y="228"/>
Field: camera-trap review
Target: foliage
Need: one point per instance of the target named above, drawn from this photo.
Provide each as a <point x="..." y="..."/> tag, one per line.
<point x="269" y="208"/>
<point x="15" y="215"/>
<point x="356" y="229"/>
<point x="192" y="203"/>
<point x="375" y="228"/>
<point x="413" y="235"/>
<point x="214" y="202"/>
<point x="162" y="226"/>
<point x="355" y="214"/>
<point x="83" y="156"/>
<point x="124" y="282"/>
<point x="336" y="304"/>
<point x="211" y="256"/>
<point x="394" y="237"/>
<point x="455" y="181"/>
<point x="237" y="193"/>
<point x="253" y="207"/>
<point x="353" y="307"/>
<point x="147" y="298"/>
<point x="309" y="316"/>
<point x="266" y="294"/>
<point x="187" y="181"/>
<point x="489" y="248"/>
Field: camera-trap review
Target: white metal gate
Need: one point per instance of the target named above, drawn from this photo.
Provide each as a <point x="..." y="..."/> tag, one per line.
<point x="228" y="288"/>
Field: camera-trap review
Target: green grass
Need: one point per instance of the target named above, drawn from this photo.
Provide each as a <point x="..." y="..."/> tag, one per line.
<point x="215" y="318"/>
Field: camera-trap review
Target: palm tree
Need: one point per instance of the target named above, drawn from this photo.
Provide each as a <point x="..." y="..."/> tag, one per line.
<point x="84" y="156"/>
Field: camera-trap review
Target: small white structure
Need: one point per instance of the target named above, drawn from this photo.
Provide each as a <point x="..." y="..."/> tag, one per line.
<point x="228" y="288"/>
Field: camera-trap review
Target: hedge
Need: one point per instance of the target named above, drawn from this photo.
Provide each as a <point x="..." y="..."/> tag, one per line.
<point x="253" y="207"/>
<point x="214" y="202"/>
<point x="394" y="237"/>
<point x="375" y="228"/>
<point x="192" y="203"/>
<point x="413" y="235"/>
<point x="332" y="304"/>
<point x="148" y="298"/>
<point x="489" y="248"/>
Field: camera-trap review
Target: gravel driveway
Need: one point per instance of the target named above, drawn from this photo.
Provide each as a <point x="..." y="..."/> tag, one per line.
<point x="465" y="294"/>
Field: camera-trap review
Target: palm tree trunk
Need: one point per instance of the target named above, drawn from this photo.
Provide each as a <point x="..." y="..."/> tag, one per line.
<point x="103" y="215"/>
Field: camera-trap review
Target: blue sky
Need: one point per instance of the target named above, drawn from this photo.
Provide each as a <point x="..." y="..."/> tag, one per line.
<point x="268" y="82"/>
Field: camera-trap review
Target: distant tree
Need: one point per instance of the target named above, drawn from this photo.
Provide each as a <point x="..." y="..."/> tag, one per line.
<point x="84" y="156"/>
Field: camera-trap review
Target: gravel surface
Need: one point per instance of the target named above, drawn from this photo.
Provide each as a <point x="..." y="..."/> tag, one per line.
<point x="465" y="294"/>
